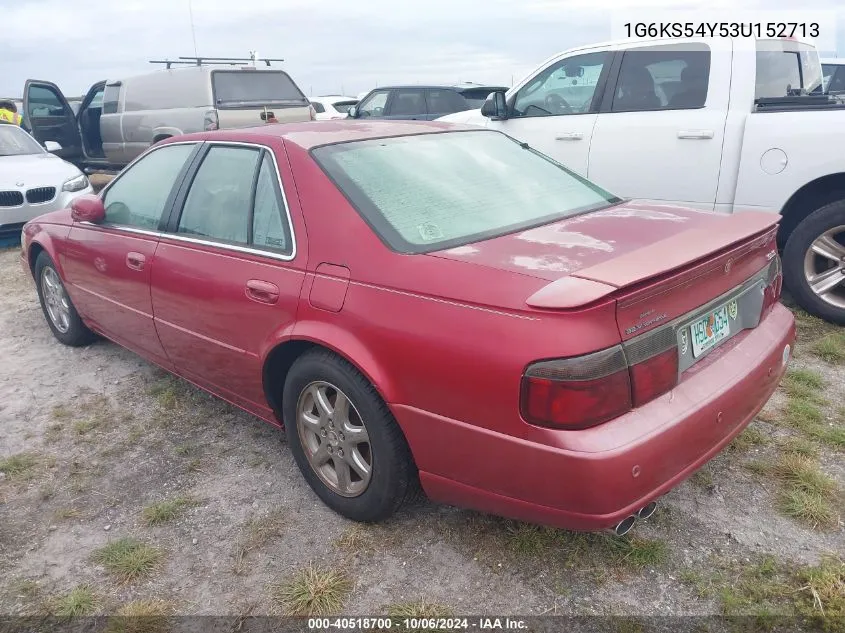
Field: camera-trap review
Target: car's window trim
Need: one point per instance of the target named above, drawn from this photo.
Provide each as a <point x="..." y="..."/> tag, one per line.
<point x="165" y="212"/>
<point x="169" y="230"/>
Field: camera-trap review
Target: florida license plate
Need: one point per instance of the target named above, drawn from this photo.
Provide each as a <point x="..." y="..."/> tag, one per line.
<point x="709" y="330"/>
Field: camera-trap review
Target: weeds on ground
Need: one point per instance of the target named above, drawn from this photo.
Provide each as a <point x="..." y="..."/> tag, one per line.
<point x="313" y="591"/>
<point x="166" y="510"/>
<point x="258" y="532"/>
<point x="807" y="494"/>
<point x="128" y="559"/>
<point x="416" y="609"/>
<point x="752" y="436"/>
<point x="355" y="539"/>
<point x="78" y="602"/>
<point x="805" y="384"/>
<point x="142" y="616"/>
<point x="805" y="416"/>
<point x="766" y="587"/>
<point x="19" y="466"/>
<point x="830" y="348"/>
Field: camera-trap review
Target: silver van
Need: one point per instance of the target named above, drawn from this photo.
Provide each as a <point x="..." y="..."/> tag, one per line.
<point x="119" y="119"/>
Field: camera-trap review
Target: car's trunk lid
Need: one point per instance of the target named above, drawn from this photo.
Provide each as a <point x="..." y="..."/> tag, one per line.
<point x="658" y="262"/>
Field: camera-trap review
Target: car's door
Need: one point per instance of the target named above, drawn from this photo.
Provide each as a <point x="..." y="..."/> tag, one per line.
<point x="373" y="105"/>
<point x="443" y="101"/>
<point x="107" y="265"/>
<point x="227" y="274"/>
<point x="407" y="104"/>
<point x="555" y="110"/>
<point x="51" y="118"/>
<point x="660" y="136"/>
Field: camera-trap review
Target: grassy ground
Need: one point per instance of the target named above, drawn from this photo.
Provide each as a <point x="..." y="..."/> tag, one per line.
<point x="126" y="491"/>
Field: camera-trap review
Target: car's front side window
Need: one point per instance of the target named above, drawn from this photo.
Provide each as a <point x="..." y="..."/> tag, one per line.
<point x="566" y="87"/>
<point x="218" y="202"/>
<point x="373" y="106"/>
<point x="137" y="197"/>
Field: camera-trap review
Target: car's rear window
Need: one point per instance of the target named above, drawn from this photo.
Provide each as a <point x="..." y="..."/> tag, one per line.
<point x="343" y="106"/>
<point x="787" y="68"/>
<point x="255" y="88"/>
<point x="432" y="191"/>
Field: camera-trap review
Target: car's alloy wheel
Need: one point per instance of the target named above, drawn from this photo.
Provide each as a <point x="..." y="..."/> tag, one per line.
<point x="334" y="439"/>
<point x="824" y="266"/>
<point x="56" y="301"/>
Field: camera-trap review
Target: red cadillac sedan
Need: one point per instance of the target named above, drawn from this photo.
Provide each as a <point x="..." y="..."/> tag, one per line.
<point x="420" y="303"/>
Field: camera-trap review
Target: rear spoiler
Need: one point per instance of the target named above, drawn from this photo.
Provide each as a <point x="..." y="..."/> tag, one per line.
<point x="596" y="282"/>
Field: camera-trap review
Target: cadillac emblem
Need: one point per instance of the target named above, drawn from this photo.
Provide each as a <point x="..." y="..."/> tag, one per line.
<point x="733" y="309"/>
<point x="19" y="184"/>
<point x="684" y="342"/>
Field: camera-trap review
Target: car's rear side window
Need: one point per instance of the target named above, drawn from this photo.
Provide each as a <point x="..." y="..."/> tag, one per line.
<point x="787" y="69"/>
<point x="235" y="199"/>
<point x="432" y="191"/>
<point x="445" y="102"/>
<point x="137" y="197"/>
<point x="239" y="88"/>
<point x="110" y="98"/>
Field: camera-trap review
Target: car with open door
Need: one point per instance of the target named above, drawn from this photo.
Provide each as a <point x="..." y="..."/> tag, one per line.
<point x="575" y="355"/>
<point x="119" y="119"/>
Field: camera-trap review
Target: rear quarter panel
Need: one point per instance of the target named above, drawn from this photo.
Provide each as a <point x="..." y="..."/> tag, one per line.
<point x="444" y="336"/>
<point x="808" y="140"/>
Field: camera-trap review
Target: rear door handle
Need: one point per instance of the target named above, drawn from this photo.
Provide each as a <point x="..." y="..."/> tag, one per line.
<point x="135" y="261"/>
<point x="570" y="136"/>
<point x="262" y="291"/>
<point x="695" y="134"/>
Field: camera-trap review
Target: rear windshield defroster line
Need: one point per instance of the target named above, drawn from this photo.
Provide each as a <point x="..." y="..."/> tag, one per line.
<point x="427" y="192"/>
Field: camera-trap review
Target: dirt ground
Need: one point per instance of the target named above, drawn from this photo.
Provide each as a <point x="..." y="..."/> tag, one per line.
<point x="98" y="446"/>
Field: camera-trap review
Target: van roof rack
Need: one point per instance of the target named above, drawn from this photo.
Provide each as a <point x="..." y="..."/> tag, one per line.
<point x="219" y="61"/>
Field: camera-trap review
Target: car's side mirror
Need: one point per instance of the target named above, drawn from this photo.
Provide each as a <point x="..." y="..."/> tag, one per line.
<point x="495" y="106"/>
<point x="353" y="112"/>
<point x="52" y="146"/>
<point x="88" y="208"/>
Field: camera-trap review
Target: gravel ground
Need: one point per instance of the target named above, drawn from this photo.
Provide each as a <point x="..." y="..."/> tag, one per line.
<point x="91" y="438"/>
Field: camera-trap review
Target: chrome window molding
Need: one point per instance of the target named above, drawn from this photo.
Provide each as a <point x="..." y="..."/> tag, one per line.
<point x="209" y="242"/>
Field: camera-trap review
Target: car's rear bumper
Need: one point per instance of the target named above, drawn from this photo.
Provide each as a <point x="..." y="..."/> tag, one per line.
<point x="618" y="466"/>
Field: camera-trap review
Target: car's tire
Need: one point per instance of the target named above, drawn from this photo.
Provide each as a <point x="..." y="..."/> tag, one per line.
<point x="801" y="264"/>
<point x="58" y="309"/>
<point x="392" y="474"/>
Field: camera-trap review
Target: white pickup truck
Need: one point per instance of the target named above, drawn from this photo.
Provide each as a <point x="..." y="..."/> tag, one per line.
<point x="722" y="125"/>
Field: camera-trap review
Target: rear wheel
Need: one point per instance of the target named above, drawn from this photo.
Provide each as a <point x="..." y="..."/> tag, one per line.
<point x="58" y="309"/>
<point x="814" y="263"/>
<point x="344" y="438"/>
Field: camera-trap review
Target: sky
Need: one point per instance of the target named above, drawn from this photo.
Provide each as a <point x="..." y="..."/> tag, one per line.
<point x="329" y="46"/>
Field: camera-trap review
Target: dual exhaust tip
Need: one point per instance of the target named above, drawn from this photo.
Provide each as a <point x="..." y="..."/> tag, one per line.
<point x="625" y="525"/>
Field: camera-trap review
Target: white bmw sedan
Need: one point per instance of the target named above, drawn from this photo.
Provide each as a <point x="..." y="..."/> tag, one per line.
<point x="32" y="180"/>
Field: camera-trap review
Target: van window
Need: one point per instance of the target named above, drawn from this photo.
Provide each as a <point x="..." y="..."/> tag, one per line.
<point x="110" y="98"/>
<point x="445" y="102"/>
<point x="236" y="88"/>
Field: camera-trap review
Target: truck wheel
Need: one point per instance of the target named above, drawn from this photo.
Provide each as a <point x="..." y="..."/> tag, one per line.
<point x="814" y="263"/>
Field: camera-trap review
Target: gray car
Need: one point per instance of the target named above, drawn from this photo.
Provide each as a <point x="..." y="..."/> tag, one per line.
<point x="119" y="119"/>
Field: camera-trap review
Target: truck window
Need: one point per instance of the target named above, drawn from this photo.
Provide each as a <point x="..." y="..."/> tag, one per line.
<point x="671" y="77"/>
<point x="787" y="69"/>
<point x="110" y="99"/>
<point x="566" y="87"/>
<point x="236" y="88"/>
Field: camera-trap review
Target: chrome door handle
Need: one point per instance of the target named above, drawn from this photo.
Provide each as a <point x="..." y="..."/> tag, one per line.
<point x="135" y="261"/>
<point x="570" y="136"/>
<point x="695" y="134"/>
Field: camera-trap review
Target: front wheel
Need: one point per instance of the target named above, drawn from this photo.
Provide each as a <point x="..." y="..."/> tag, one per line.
<point x="58" y="309"/>
<point x="344" y="438"/>
<point x="814" y="263"/>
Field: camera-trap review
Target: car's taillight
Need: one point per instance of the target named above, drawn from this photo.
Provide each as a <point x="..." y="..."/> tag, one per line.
<point x="312" y="113"/>
<point x="211" y="121"/>
<point x="575" y="393"/>
<point x="774" y="285"/>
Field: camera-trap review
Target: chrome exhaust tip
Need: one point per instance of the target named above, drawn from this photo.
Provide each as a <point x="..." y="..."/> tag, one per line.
<point x="625" y="525"/>
<point x="647" y="510"/>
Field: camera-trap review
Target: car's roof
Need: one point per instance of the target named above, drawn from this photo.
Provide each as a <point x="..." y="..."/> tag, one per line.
<point x="314" y="133"/>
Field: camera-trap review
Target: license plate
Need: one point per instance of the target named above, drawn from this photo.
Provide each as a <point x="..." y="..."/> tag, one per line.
<point x="709" y="330"/>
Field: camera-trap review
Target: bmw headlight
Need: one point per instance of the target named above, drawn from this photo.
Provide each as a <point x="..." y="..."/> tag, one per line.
<point x="77" y="183"/>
